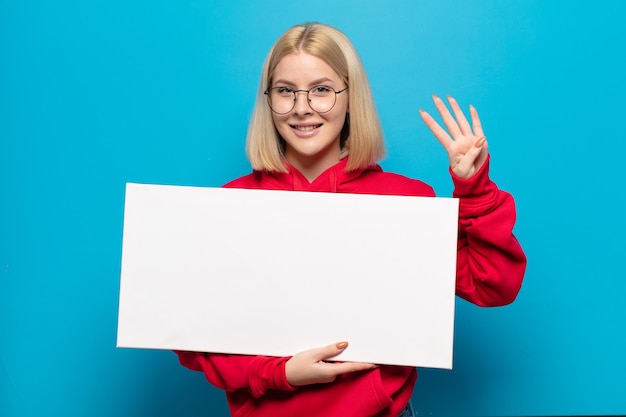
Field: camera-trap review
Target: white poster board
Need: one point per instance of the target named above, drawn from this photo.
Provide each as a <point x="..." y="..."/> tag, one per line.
<point x="277" y="272"/>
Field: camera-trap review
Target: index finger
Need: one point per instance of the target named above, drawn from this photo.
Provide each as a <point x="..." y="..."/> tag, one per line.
<point x="339" y="368"/>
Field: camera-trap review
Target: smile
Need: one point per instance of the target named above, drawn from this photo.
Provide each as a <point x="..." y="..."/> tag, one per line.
<point x="306" y="128"/>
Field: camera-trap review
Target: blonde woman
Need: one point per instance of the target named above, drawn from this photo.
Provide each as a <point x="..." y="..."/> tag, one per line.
<point x="315" y="128"/>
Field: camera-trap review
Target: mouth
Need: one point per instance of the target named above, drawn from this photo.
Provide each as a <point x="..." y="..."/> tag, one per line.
<point x="306" y="128"/>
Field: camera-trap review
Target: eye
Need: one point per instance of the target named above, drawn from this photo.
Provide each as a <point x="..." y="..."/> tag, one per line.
<point x="321" y="90"/>
<point x="284" y="91"/>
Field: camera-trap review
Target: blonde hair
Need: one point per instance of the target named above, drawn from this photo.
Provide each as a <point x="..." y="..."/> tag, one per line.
<point x="361" y="136"/>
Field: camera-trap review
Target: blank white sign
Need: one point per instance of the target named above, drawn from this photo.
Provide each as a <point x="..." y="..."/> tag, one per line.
<point x="278" y="272"/>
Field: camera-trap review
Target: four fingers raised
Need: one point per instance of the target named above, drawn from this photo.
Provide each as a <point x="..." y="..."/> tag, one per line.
<point x="464" y="143"/>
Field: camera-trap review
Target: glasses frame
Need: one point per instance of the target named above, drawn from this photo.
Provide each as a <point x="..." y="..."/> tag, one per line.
<point x="308" y="100"/>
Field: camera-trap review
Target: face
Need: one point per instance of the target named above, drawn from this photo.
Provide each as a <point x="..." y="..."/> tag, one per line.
<point x="311" y="138"/>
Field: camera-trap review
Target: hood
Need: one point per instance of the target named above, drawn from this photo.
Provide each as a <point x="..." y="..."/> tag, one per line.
<point x="332" y="180"/>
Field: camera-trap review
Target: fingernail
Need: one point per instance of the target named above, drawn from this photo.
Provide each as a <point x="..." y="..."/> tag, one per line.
<point x="435" y="97"/>
<point x="480" y="142"/>
<point x="342" y="345"/>
<point x="421" y="111"/>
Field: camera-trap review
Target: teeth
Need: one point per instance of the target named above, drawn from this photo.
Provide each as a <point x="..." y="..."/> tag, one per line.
<point x="306" y="128"/>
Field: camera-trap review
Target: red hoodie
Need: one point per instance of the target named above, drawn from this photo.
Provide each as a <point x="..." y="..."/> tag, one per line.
<point x="490" y="268"/>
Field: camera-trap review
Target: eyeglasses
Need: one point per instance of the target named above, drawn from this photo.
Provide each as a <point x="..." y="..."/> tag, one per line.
<point x="321" y="98"/>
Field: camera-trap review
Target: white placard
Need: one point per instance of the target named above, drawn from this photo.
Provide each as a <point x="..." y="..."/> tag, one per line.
<point x="277" y="272"/>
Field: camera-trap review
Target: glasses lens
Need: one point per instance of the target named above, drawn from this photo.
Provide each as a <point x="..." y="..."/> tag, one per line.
<point x="281" y="99"/>
<point x="322" y="98"/>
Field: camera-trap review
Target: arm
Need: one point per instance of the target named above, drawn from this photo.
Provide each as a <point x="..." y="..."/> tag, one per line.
<point x="491" y="263"/>
<point x="259" y="374"/>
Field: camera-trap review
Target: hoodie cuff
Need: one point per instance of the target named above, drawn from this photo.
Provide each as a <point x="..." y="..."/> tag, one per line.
<point x="477" y="194"/>
<point x="267" y="373"/>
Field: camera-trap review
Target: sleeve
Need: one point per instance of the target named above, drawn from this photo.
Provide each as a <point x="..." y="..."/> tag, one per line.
<point x="491" y="262"/>
<point x="258" y="374"/>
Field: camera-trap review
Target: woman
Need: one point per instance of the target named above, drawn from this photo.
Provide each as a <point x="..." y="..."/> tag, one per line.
<point x="315" y="128"/>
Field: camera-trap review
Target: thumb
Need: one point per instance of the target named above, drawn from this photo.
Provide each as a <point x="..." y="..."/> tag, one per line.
<point x="341" y="346"/>
<point x="465" y="166"/>
<point x="476" y="150"/>
<point x="332" y="350"/>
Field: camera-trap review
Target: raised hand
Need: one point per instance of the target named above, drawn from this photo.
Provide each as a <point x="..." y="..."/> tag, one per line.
<point x="466" y="145"/>
<point x="309" y="367"/>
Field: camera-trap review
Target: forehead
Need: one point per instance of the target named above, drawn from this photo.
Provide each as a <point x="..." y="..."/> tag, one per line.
<point x="303" y="68"/>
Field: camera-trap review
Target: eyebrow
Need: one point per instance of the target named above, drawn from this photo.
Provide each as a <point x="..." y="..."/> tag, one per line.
<point x="316" y="82"/>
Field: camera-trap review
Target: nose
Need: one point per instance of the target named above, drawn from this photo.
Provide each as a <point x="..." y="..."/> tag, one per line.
<point x="301" y="105"/>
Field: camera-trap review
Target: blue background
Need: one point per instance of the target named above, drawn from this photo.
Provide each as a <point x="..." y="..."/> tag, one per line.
<point x="96" y="94"/>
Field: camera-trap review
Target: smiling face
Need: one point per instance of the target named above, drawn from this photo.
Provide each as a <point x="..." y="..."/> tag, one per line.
<point x="312" y="140"/>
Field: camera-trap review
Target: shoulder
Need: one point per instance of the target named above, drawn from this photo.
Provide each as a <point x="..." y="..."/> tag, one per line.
<point x="252" y="180"/>
<point x="376" y="181"/>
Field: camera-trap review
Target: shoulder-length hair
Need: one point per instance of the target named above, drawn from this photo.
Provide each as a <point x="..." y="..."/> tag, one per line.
<point x="361" y="137"/>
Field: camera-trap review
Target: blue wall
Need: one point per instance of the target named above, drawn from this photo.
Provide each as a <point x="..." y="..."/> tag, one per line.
<point x="96" y="94"/>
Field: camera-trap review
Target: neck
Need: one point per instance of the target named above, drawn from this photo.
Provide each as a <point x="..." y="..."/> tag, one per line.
<point x="312" y="169"/>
